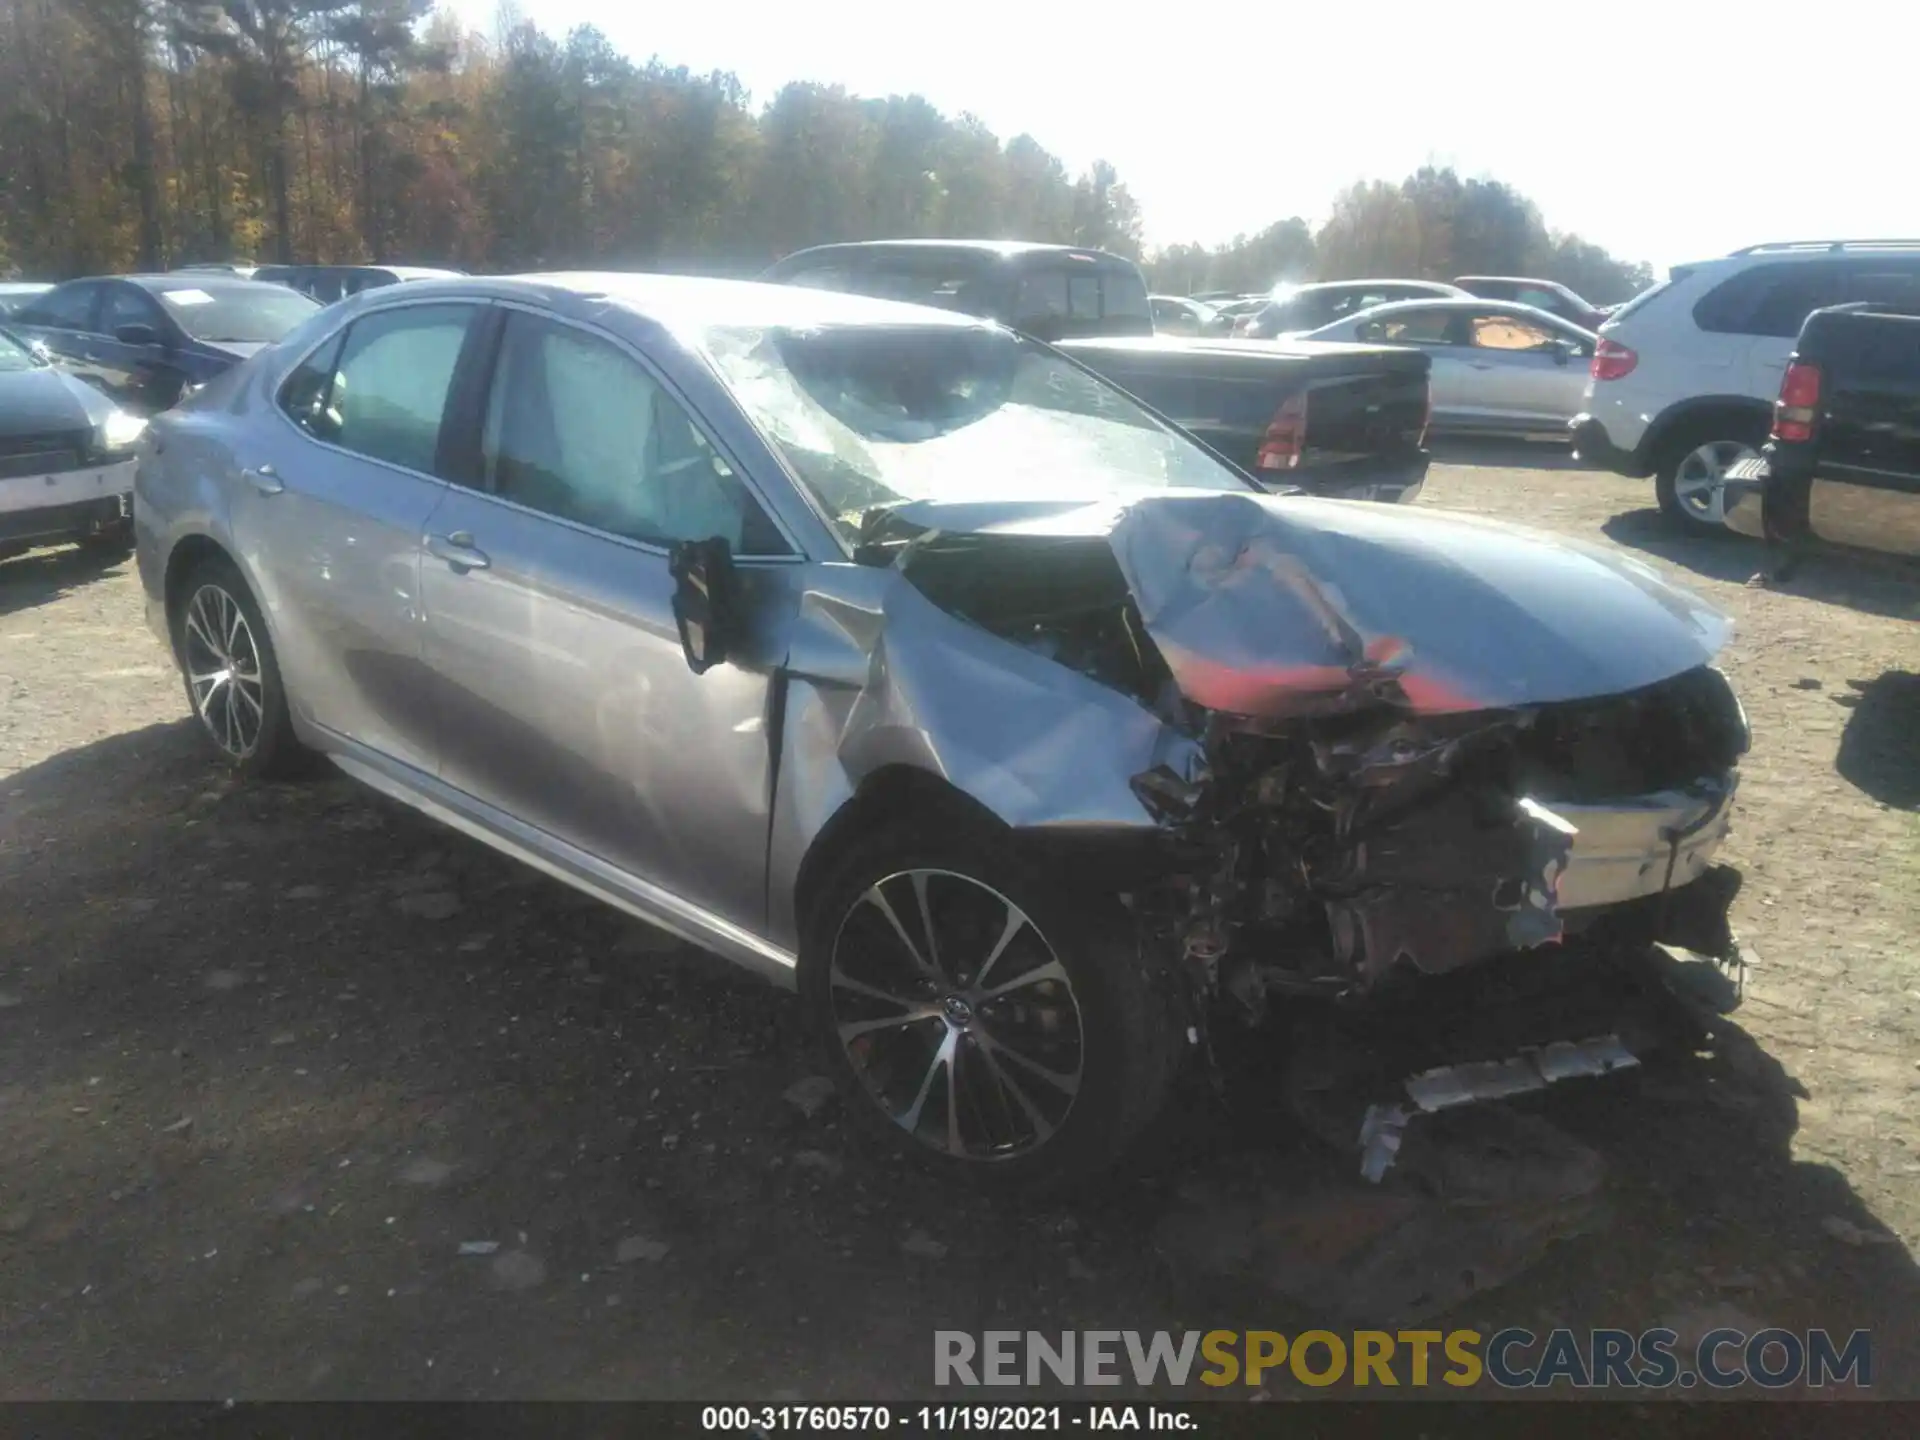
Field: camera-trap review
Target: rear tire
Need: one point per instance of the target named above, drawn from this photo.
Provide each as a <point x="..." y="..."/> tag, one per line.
<point x="232" y="676"/>
<point x="1688" y="481"/>
<point x="1062" y="1035"/>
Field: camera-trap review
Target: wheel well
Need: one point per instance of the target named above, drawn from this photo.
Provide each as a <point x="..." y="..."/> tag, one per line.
<point x="890" y="794"/>
<point x="1691" y="416"/>
<point x="186" y="558"/>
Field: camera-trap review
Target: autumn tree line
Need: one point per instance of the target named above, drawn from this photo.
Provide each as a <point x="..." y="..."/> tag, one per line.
<point x="141" y="134"/>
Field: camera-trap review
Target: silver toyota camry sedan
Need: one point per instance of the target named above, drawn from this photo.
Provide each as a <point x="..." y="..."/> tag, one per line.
<point x="900" y="658"/>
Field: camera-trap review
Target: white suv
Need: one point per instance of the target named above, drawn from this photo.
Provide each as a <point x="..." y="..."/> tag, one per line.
<point x="1685" y="374"/>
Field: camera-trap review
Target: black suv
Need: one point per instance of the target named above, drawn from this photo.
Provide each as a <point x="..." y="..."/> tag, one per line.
<point x="1843" y="462"/>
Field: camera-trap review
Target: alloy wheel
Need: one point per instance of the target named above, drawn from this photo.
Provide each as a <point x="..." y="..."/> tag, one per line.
<point x="223" y="671"/>
<point x="954" y="1011"/>
<point x="1699" y="481"/>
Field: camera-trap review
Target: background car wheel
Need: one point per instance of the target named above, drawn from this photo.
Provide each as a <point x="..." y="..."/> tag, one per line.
<point x="232" y="678"/>
<point x="989" y="1023"/>
<point x="1693" y="466"/>
<point x="111" y="542"/>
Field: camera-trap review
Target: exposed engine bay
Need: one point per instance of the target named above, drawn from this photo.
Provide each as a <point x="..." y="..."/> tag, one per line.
<point x="1351" y="822"/>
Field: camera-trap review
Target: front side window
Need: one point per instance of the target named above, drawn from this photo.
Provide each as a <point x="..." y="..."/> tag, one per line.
<point x="869" y="416"/>
<point x="381" y="390"/>
<point x="1409" y="327"/>
<point x="578" y="429"/>
<point x="1041" y="302"/>
<point x="1508" y="332"/>
<point x="128" y="306"/>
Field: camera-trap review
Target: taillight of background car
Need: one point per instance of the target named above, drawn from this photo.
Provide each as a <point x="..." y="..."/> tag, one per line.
<point x="1286" y="437"/>
<point x="1612" y="360"/>
<point x="1799" y="398"/>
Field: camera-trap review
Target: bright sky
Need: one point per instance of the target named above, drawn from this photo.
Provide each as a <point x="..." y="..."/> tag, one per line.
<point x="1665" y="130"/>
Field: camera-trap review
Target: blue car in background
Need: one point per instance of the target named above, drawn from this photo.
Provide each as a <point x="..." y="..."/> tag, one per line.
<point x="147" y="339"/>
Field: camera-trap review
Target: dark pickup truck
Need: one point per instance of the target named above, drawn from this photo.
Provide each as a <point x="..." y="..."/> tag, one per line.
<point x="1341" y="420"/>
<point x="1843" y="462"/>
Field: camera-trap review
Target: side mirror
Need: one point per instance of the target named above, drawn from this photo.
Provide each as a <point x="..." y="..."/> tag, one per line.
<point x="1562" y="351"/>
<point x="136" y="335"/>
<point x="705" y="607"/>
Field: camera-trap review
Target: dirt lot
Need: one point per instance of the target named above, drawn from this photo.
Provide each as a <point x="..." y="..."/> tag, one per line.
<point x="268" y="1057"/>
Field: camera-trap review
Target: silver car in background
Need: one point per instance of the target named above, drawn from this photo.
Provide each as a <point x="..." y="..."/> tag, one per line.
<point x="901" y="659"/>
<point x="1498" y="368"/>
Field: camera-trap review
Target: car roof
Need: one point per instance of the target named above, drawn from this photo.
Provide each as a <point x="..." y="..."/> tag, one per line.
<point x="1511" y="280"/>
<point x="683" y="302"/>
<point x="1473" y="303"/>
<point x="1439" y="286"/>
<point x="208" y="280"/>
<point x="1001" y="249"/>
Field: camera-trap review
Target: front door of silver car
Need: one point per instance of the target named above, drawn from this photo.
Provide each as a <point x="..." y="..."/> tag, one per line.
<point x="565" y="699"/>
<point x="335" y="501"/>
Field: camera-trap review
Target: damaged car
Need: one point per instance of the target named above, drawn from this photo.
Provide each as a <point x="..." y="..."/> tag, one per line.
<point x="909" y="663"/>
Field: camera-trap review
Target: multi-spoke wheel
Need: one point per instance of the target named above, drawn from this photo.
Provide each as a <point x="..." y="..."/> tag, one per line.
<point x="1692" y="476"/>
<point x="988" y="1022"/>
<point x="222" y="661"/>
<point x="232" y="680"/>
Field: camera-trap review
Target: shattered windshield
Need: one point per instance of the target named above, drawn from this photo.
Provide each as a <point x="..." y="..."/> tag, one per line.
<point x="876" y="415"/>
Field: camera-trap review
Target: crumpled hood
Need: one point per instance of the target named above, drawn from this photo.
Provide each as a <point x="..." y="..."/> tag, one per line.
<point x="1268" y="605"/>
<point x="1277" y="605"/>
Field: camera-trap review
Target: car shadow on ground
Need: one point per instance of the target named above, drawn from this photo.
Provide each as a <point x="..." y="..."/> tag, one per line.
<point x="1880" y="746"/>
<point x="276" y="1055"/>
<point x="1500" y="453"/>
<point x="1875" y="584"/>
<point x="42" y="576"/>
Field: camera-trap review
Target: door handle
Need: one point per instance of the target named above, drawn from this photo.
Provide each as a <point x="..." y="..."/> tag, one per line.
<point x="264" y="478"/>
<point x="459" y="551"/>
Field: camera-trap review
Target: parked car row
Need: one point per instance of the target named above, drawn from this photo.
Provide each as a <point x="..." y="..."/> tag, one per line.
<point x="910" y="662"/>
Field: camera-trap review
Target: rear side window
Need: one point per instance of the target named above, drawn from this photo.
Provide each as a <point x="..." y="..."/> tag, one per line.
<point x="1123" y="294"/>
<point x="1885" y="283"/>
<point x="385" y="386"/>
<point x="69" y="307"/>
<point x="1771" y="300"/>
<point x="951" y="282"/>
<point x="1054" y="302"/>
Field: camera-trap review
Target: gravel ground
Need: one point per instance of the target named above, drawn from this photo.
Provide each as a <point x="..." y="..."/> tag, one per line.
<point x="271" y="1057"/>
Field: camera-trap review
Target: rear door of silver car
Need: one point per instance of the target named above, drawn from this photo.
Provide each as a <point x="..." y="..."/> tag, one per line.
<point x="336" y="498"/>
<point x="566" y="700"/>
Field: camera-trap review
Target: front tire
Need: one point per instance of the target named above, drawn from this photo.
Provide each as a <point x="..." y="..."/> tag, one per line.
<point x="231" y="673"/>
<point x="989" y="1023"/>
<point x="1690" y="478"/>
